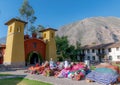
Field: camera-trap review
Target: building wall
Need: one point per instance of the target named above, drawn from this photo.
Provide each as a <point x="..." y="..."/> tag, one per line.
<point x="91" y="54"/>
<point x="49" y="38"/>
<point x="14" y="54"/>
<point x="40" y="47"/>
<point x="115" y="54"/>
<point x="2" y="52"/>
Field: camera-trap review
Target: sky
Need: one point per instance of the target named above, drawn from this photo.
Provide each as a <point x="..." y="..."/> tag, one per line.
<point x="56" y="13"/>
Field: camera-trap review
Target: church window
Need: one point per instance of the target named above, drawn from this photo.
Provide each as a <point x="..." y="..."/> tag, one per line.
<point x="44" y="35"/>
<point x="18" y="29"/>
<point x="10" y="28"/>
<point x="52" y="35"/>
<point x="34" y="45"/>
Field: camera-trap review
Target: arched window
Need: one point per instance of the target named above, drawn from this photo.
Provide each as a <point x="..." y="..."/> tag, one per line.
<point x="34" y="44"/>
<point x="10" y="28"/>
<point x="18" y="29"/>
<point x="52" y="35"/>
<point x="44" y="35"/>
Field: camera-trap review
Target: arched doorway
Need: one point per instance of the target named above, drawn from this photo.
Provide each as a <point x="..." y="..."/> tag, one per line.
<point x="33" y="58"/>
<point x="1" y="58"/>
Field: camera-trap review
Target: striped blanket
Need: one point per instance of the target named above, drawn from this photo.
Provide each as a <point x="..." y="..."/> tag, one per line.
<point x="103" y="75"/>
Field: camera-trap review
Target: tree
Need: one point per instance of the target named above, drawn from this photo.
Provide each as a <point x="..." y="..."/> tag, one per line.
<point x="67" y="51"/>
<point x="62" y="45"/>
<point x="27" y="13"/>
<point x="39" y="28"/>
<point x="78" y="50"/>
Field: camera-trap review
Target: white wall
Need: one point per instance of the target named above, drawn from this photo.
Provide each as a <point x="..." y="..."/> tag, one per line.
<point x="114" y="53"/>
<point x="91" y="54"/>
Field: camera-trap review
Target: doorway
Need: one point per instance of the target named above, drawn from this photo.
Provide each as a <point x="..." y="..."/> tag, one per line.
<point x="34" y="58"/>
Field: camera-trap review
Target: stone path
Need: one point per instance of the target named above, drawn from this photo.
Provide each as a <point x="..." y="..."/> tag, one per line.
<point x="52" y="80"/>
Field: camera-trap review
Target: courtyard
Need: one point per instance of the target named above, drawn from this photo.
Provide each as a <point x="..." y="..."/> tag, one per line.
<point x="21" y="75"/>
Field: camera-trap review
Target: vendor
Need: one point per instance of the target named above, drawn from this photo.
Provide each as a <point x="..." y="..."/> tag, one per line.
<point x="66" y="64"/>
<point x="52" y="64"/>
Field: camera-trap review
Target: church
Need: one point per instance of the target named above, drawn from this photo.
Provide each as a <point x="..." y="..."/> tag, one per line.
<point x="21" y="50"/>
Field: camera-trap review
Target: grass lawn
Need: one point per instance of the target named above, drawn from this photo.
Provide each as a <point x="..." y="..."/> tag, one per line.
<point x="5" y="74"/>
<point x="92" y="67"/>
<point x="21" y="81"/>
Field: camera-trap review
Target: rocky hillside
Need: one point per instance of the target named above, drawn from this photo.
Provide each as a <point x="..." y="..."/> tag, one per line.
<point x="95" y="30"/>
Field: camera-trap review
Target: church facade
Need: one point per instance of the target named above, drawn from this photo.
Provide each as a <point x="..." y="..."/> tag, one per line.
<point x="21" y="49"/>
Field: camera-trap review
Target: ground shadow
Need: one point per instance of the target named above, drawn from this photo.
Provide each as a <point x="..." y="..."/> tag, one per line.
<point x="4" y="68"/>
<point x="11" y="79"/>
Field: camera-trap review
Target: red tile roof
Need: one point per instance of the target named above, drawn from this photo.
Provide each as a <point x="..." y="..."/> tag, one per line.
<point x="109" y="45"/>
<point x="48" y="29"/>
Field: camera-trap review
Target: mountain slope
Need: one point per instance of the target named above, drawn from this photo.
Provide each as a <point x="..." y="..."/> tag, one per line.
<point x="95" y="30"/>
<point x="3" y="40"/>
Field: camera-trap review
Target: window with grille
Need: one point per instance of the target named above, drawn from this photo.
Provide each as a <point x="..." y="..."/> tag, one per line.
<point x="110" y="57"/>
<point x="93" y="58"/>
<point x="118" y="57"/>
<point x="88" y="57"/>
<point x="109" y="49"/>
<point x="93" y="50"/>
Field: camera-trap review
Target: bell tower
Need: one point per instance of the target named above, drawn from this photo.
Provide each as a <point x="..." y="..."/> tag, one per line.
<point x="49" y="37"/>
<point x="14" y="53"/>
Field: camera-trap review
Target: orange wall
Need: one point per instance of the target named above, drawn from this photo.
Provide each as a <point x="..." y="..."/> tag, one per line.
<point x="28" y="44"/>
<point x="40" y="47"/>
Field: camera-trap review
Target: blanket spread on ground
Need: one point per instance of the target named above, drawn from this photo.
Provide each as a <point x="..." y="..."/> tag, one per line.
<point x="103" y="75"/>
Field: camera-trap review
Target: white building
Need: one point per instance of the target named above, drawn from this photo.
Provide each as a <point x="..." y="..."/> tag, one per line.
<point x="110" y="51"/>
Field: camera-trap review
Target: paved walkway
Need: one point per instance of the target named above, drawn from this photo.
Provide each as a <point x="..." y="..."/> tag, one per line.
<point x="52" y="80"/>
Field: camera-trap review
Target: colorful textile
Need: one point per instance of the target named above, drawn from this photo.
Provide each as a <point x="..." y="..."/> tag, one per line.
<point x="77" y="67"/>
<point x="105" y="70"/>
<point x="52" y="65"/>
<point x="61" y="66"/>
<point x="103" y="75"/>
<point x="66" y="64"/>
<point x="63" y="73"/>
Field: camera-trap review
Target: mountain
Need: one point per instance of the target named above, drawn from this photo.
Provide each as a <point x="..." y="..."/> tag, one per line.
<point x="94" y="30"/>
<point x="3" y="40"/>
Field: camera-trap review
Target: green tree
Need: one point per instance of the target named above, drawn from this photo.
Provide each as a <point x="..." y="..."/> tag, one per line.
<point x="62" y="45"/>
<point x="67" y="51"/>
<point x="27" y="13"/>
<point x="39" y="28"/>
<point x="78" y="48"/>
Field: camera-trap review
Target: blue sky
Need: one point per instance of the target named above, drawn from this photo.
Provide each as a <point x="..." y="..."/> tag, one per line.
<point x="56" y="13"/>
